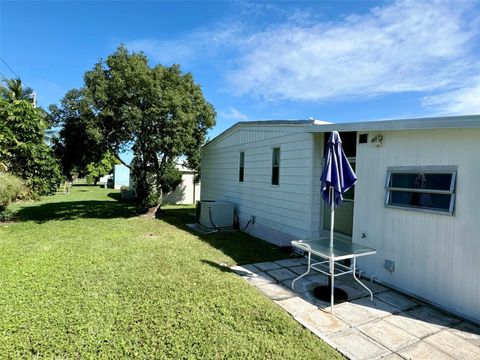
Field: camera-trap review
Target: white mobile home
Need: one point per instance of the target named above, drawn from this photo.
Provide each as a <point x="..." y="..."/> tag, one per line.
<point x="416" y="200"/>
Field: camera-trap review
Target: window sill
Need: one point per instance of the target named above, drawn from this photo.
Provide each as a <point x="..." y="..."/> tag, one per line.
<point x="438" y="212"/>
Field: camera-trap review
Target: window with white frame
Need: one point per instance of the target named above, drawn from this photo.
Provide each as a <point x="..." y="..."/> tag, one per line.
<point x="422" y="188"/>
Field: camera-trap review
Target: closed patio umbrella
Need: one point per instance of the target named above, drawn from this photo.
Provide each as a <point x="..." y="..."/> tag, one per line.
<point x="337" y="178"/>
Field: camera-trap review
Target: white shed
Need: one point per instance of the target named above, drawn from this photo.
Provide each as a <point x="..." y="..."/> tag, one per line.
<point x="416" y="200"/>
<point x="187" y="192"/>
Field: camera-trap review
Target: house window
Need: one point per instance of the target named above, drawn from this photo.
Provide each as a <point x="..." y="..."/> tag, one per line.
<point x="276" y="166"/>
<point x="241" y="167"/>
<point x="429" y="189"/>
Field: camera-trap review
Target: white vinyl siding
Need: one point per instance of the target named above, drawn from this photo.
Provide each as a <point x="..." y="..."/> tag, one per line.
<point x="286" y="208"/>
<point x="436" y="257"/>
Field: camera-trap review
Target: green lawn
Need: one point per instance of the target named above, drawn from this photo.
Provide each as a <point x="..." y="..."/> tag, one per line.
<point x="82" y="277"/>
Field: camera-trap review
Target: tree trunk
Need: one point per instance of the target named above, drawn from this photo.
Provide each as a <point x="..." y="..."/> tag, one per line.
<point x="152" y="212"/>
<point x="155" y="212"/>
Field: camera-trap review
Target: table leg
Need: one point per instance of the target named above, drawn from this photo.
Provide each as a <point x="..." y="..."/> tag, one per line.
<point x="308" y="270"/>
<point x="332" y="284"/>
<point x="355" y="277"/>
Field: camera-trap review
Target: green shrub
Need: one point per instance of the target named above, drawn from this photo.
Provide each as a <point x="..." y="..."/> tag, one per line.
<point x="5" y="214"/>
<point x="89" y="179"/>
<point x="11" y="189"/>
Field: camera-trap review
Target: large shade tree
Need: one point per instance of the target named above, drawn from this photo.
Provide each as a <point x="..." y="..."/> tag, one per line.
<point x="159" y="113"/>
<point x="80" y="141"/>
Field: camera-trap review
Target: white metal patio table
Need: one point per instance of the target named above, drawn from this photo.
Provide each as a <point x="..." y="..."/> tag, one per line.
<point x="341" y="250"/>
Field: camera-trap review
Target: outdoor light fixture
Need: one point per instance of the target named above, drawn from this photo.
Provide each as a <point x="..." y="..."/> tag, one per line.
<point x="377" y="140"/>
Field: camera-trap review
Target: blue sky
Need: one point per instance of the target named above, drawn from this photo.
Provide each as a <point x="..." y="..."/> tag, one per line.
<point x="336" y="61"/>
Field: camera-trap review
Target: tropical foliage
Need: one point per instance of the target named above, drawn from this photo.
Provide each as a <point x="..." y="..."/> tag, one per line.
<point x="23" y="151"/>
<point x="14" y="90"/>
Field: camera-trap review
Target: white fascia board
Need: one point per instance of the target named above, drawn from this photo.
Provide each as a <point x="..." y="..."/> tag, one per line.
<point x="450" y="122"/>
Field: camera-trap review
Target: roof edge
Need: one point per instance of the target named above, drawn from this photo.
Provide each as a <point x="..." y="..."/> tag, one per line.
<point x="423" y="123"/>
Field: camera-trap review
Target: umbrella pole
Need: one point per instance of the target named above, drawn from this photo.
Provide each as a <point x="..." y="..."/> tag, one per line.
<point x="332" y="215"/>
<point x="332" y="266"/>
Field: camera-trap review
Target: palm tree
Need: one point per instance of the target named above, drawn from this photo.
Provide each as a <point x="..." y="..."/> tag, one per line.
<point x="14" y="90"/>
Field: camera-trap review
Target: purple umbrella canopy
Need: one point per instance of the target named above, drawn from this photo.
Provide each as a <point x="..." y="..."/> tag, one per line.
<point x="337" y="172"/>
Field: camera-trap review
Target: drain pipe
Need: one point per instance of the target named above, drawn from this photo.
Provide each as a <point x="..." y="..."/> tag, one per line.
<point x="251" y="221"/>
<point x="211" y="220"/>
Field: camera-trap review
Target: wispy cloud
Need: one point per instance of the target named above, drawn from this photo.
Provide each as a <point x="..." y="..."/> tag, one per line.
<point x="465" y="100"/>
<point x="164" y="52"/>
<point x="406" y="46"/>
<point x="232" y="114"/>
<point x="198" y="46"/>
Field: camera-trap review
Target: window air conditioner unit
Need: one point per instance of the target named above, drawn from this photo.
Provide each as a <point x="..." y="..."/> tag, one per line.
<point x="214" y="215"/>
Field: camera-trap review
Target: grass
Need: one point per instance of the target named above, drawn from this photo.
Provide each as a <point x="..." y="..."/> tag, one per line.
<point x="81" y="276"/>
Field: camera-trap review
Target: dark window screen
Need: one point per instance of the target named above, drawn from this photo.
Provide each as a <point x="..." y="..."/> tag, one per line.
<point x="349" y="142"/>
<point x="422" y="190"/>
<point x="276" y="166"/>
<point x="421" y="181"/>
<point x="241" y="170"/>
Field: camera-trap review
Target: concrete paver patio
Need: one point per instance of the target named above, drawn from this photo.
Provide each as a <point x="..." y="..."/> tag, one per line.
<point x="394" y="326"/>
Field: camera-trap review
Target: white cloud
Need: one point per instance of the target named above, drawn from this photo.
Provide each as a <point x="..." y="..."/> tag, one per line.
<point x="232" y="114"/>
<point x="406" y="46"/>
<point x="456" y="102"/>
<point x="164" y="52"/>
<point x="197" y="46"/>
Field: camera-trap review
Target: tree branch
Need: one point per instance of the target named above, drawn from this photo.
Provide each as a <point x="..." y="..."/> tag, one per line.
<point x="119" y="159"/>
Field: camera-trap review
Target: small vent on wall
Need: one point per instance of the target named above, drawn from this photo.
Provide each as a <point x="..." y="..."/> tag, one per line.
<point x="389" y="265"/>
<point x="363" y="139"/>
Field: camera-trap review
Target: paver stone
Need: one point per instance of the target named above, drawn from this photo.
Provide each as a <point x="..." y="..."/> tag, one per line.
<point x="388" y="335"/>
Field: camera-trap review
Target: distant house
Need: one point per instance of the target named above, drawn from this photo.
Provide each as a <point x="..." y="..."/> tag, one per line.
<point x="121" y="176"/>
<point x="188" y="192"/>
<point x="104" y="179"/>
<point x="416" y="201"/>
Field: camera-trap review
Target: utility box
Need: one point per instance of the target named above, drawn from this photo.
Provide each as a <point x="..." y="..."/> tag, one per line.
<point x="212" y="215"/>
